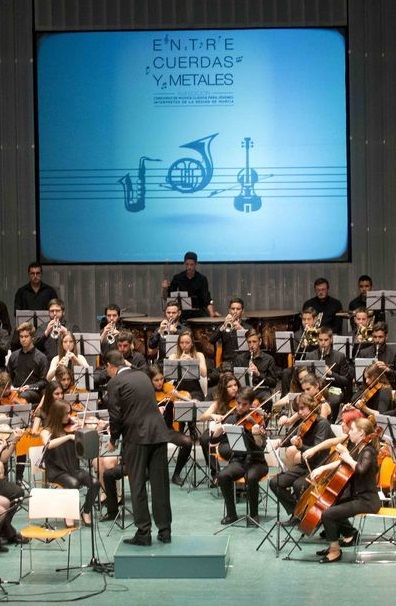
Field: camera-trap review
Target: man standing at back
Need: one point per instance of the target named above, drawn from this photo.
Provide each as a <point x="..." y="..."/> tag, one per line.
<point x="34" y="295"/>
<point x="134" y="416"/>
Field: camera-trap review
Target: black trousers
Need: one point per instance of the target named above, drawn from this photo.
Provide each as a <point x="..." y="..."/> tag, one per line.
<point x="335" y="519"/>
<point x="110" y="478"/>
<point x="289" y="485"/>
<point x="142" y="461"/>
<point x="185" y="445"/>
<point x="79" y="478"/>
<point x="11" y="491"/>
<point x="252" y="472"/>
<point x="211" y="461"/>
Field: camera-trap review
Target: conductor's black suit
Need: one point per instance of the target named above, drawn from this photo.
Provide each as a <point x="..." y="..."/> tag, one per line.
<point x="134" y="415"/>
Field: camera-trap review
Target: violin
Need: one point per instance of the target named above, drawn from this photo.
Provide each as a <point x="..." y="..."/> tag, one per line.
<point x="256" y="415"/>
<point x="13" y="397"/>
<point x="71" y="425"/>
<point x="169" y="394"/>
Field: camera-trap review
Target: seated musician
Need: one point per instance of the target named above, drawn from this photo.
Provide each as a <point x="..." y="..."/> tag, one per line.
<point x="196" y="285"/>
<point x="9" y="490"/>
<point x="361" y="493"/>
<point x="226" y="334"/>
<point x="287" y="401"/>
<point x="166" y="395"/>
<point x="326" y="305"/>
<point x="133" y="359"/>
<point x="53" y="391"/>
<point x="28" y="366"/>
<point x="67" y="355"/>
<point x="170" y="325"/>
<point x="109" y="328"/>
<point x="380" y="350"/>
<point x="312" y="430"/>
<point x="65" y="377"/>
<point x="250" y="465"/>
<point x="8" y="395"/>
<point x="34" y="295"/>
<point x="340" y="374"/>
<point x="365" y="285"/>
<point x="186" y="351"/>
<point x="47" y="337"/>
<point x="60" y="457"/>
<point x="5" y="326"/>
<point x="225" y="400"/>
<point x="5" y="505"/>
<point x="376" y="396"/>
<point x="363" y="332"/>
<point x="305" y="340"/>
<point x="260" y="366"/>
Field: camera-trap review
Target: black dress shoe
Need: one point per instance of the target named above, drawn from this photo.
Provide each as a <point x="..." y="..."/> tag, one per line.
<point x="176" y="479"/>
<point x="292" y="521"/>
<point x="228" y="520"/>
<point x="17" y="539"/>
<point x="323" y="552"/>
<point x="326" y="560"/>
<point x="108" y="517"/>
<point x="139" y="540"/>
<point x="164" y="537"/>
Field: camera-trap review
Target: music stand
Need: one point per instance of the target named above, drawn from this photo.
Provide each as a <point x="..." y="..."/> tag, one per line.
<point x="37" y="318"/>
<point x="284" y="341"/>
<point x="360" y="366"/>
<point x="88" y="400"/>
<point x="384" y="300"/>
<point x="241" y="340"/>
<point x="343" y="345"/>
<point x="189" y="411"/>
<point x="318" y="367"/>
<point x="18" y="415"/>
<point x="170" y="345"/>
<point x="83" y="377"/>
<point x="182" y="298"/>
<point x="240" y="373"/>
<point x="175" y="370"/>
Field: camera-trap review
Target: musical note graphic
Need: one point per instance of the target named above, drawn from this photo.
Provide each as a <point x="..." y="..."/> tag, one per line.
<point x="247" y="201"/>
<point x="138" y="203"/>
<point x="188" y="175"/>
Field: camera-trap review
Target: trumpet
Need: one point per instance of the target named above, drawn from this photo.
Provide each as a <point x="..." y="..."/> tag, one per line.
<point x="55" y="332"/>
<point x="167" y="329"/>
<point x="111" y="335"/>
<point x="228" y="324"/>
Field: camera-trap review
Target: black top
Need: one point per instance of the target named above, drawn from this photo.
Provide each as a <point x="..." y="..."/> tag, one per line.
<point x="62" y="459"/>
<point x="364" y="480"/>
<point x="48" y="345"/>
<point x="27" y="298"/>
<point x="156" y="340"/>
<point x="386" y="354"/>
<point x="254" y="453"/>
<point x="22" y="363"/>
<point x="197" y="288"/>
<point x="229" y="341"/>
<point x="382" y="401"/>
<point x="318" y="432"/>
<point x="133" y="409"/>
<point x="329" y="307"/>
<point x="265" y="365"/>
<point x="341" y="374"/>
<point x="137" y="361"/>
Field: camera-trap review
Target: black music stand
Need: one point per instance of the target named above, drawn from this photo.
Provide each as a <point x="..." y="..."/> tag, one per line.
<point x="241" y="373"/>
<point x="189" y="410"/>
<point x="360" y="366"/>
<point x="284" y="342"/>
<point x="343" y="345"/>
<point x="182" y="298"/>
<point x="278" y="544"/>
<point x="384" y="300"/>
<point x="37" y="318"/>
<point x="83" y="377"/>
<point x="88" y="345"/>
<point x="241" y="340"/>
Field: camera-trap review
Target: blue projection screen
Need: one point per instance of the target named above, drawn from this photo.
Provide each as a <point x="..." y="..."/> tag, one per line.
<point x="228" y="142"/>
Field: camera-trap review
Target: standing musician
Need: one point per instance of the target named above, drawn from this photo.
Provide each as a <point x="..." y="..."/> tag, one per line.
<point x="170" y="325"/>
<point x="60" y="457"/>
<point x="312" y="430"/>
<point x="340" y="374"/>
<point x="132" y="358"/>
<point x="326" y="305"/>
<point x="67" y="355"/>
<point x="186" y="351"/>
<point x="250" y="464"/>
<point x="196" y="285"/>
<point x="47" y="337"/>
<point x="166" y="395"/>
<point x="134" y="415"/>
<point x="34" y="295"/>
<point x="227" y="332"/>
<point x="385" y="354"/>
<point x="260" y="365"/>
<point x="27" y="366"/>
<point x="225" y="401"/>
<point x="359" y="496"/>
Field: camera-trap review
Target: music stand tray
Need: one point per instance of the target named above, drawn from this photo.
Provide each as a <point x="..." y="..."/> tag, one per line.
<point x="176" y="370"/>
<point x="83" y="377"/>
<point x="89" y="342"/>
<point x="384" y="300"/>
<point x="283" y="340"/>
<point x="360" y="366"/>
<point x="37" y="318"/>
<point x="183" y="298"/>
<point x="235" y="437"/>
<point x="170" y="344"/>
<point x="91" y="397"/>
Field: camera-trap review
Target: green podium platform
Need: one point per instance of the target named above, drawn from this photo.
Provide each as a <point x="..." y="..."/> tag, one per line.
<point x="187" y="557"/>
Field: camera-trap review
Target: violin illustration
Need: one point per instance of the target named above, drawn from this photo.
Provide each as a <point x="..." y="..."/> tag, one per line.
<point x="135" y="203"/>
<point x="188" y="175"/>
<point x="247" y="201"/>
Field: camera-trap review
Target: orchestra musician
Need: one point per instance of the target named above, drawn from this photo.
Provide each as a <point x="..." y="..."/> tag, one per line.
<point x="186" y="351"/>
<point x="9" y="396"/>
<point x="314" y="429"/>
<point x="365" y="285"/>
<point x="250" y="464"/>
<point x="64" y="376"/>
<point x="67" y="355"/>
<point x="166" y="395"/>
<point x="260" y="365"/>
<point x="195" y="284"/>
<point x="134" y="359"/>
<point x="340" y="374"/>
<point x="134" y="415"/>
<point x="170" y="325"/>
<point x="109" y="328"/>
<point x="379" y="398"/>
<point x="360" y="494"/>
<point x="227" y="332"/>
<point x="5" y="333"/>
<point x="61" y="462"/>
<point x="225" y="401"/>
<point x="382" y="352"/>
<point x="28" y="366"/>
<point x="54" y="391"/>
<point x="47" y="337"/>
<point x="35" y="295"/>
<point x="326" y="305"/>
<point x="363" y="331"/>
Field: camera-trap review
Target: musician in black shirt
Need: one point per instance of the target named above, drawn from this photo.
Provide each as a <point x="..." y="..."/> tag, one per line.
<point x="227" y="332"/>
<point x="326" y="305"/>
<point x="35" y="295"/>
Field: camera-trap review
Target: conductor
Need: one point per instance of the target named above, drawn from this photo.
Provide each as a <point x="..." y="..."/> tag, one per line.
<point x="134" y="416"/>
